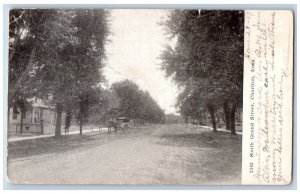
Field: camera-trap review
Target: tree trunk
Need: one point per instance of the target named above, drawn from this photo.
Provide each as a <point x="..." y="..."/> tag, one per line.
<point x="67" y="120"/>
<point x="58" y="119"/>
<point x="81" y="114"/>
<point x="21" y="122"/>
<point x="80" y="123"/>
<point x="42" y="122"/>
<point x="227" y="115"/>
<point x="213" y="119"/>
<point x="232" y="119"/>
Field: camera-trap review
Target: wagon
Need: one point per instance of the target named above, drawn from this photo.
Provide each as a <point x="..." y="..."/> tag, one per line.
<point x="123" y="123"/>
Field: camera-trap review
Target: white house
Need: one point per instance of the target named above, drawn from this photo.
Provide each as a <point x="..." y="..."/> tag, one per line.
<point x="38" y="113"/>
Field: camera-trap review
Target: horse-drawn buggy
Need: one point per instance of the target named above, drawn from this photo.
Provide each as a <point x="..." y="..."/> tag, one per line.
<point x="121" y="123"/>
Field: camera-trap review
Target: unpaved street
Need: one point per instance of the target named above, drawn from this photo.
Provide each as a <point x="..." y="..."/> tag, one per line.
<point x="154" y="154"/>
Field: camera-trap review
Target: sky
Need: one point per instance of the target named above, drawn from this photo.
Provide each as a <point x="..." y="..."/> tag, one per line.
<point x="133" y="52"/>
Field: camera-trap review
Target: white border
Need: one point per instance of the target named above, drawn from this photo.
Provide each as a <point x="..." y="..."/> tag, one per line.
<point x="145" y="2"/>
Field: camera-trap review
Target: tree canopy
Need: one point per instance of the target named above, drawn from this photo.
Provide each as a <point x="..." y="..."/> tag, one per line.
<point x="207" y="60"/>
<point x="137" y="104"/>
<point x="63" y="55"/>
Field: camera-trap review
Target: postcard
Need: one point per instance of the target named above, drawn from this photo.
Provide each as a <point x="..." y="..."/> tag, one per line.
<point x="150" y="96"/>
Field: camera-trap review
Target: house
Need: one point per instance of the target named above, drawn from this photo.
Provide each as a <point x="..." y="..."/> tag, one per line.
<point x="36" y="118"/>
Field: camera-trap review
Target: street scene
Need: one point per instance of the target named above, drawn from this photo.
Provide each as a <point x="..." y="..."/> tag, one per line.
<point x="125" y="96"/>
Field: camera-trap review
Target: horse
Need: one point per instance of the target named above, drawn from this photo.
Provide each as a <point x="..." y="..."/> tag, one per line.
<point x="112" y="123"/>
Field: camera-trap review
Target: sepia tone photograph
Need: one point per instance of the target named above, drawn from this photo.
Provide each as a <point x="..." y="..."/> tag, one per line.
<point x="125" y="96"/>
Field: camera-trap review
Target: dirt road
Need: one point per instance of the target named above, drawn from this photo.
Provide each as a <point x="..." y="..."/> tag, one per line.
<point x="155" y="154"/>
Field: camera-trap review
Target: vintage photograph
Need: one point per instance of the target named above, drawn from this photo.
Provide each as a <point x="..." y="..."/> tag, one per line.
<point x="125" y="96"/>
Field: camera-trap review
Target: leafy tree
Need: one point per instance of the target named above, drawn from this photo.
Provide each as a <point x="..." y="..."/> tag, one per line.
<point x="66" y="60"/>
<point x="135" y="103"/>
<point x="28" y="29"/>
<point x="52" y="76"/>
<point x="92" y="32"/>
<point x="129" y="97"/>
<point x="207" y="60"/>
<point x="150" y="112"/>
<point x="106" y="106"/>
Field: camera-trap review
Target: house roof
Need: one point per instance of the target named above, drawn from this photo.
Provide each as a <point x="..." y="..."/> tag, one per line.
<point x="38" y="103"/>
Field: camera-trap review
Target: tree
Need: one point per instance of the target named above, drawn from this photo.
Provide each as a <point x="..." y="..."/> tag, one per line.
<point x="129" y="97"/>
<point x="105" y="107"/>
<point x="92" y="32"/>
<point x="51" y="76"/>
<point x="66" y="60"/>
<point x="27" y="31"/>
<point x="150" y="110"/>
<point x="136" y="104"/>
<point x="208" y="57"/>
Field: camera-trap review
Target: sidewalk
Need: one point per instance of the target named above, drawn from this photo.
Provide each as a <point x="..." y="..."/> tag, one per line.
<point x="221" y="129"/>
<point x="14" y="139"/>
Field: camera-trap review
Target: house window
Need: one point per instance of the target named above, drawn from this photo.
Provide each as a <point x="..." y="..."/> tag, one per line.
<point x="15" y="113"/>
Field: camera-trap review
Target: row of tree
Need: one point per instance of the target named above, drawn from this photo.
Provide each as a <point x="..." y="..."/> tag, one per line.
<point x="125" y="99"/>
<point x="58" y="56"/>
<point x="206" y="62"/>
<point x="137" y="104"/>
